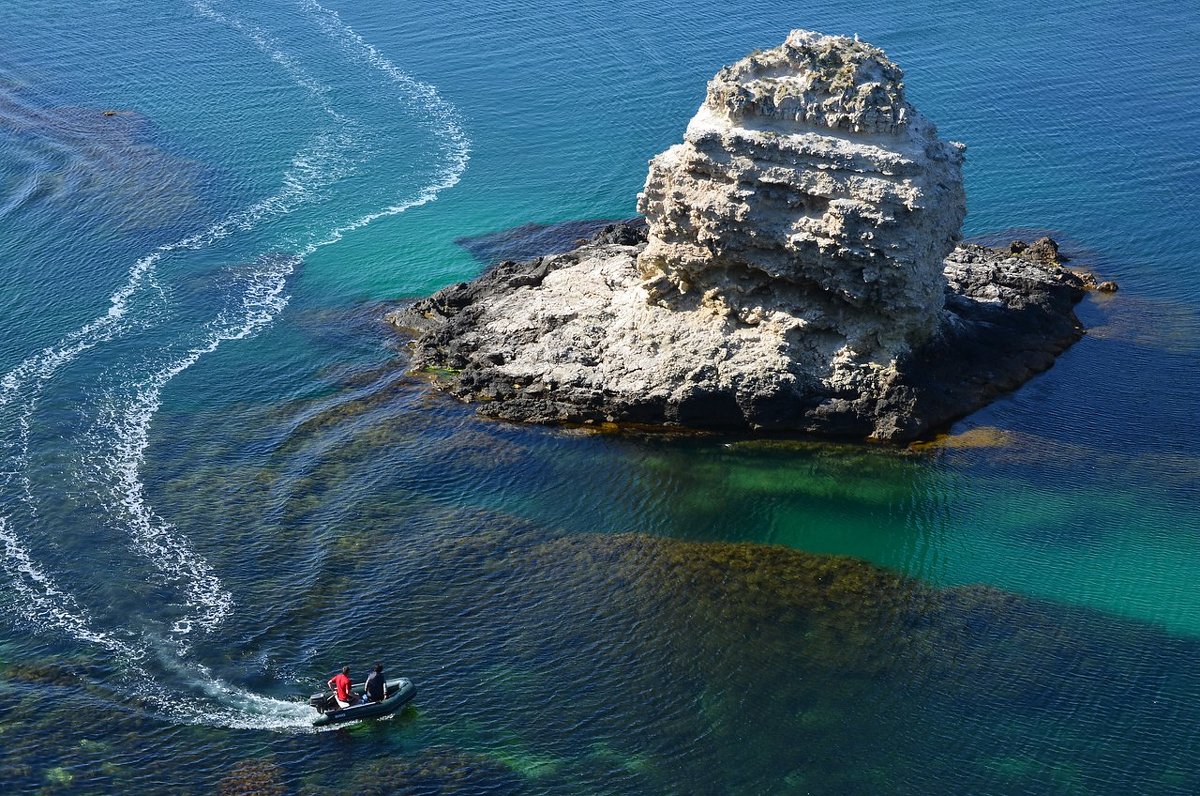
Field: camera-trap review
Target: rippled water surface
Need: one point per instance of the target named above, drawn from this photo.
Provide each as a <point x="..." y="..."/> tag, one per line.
<point x="217" y="484"/>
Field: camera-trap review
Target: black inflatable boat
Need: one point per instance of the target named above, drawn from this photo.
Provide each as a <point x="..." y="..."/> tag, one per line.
<point x="397" y="693"/>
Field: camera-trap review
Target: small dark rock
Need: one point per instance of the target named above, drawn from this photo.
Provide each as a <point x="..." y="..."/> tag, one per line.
<point x="624" y="233"/>
<point x="1045" y="250"/>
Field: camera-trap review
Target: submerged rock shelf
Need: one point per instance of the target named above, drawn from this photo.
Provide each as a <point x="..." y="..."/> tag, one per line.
<point x="797" y="272"/>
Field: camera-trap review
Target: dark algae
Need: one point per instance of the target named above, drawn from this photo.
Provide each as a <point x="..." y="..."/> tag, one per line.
<point x="557" y="685"/>
<point x="434" y="771"/>
<point x="253" y="777"/>
<point x="224" y="475"/>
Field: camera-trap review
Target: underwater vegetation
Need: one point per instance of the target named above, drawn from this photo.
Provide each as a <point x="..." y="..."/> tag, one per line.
<point x="434" y="771"/>
<point x="556" y="662"/>
<point x="848" y="660"/>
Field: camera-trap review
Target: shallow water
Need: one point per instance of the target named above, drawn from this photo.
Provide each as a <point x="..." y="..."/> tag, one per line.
<point x="217" y="485"/>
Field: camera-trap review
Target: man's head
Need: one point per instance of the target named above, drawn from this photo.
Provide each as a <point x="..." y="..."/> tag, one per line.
<point x="346" y="670"/>
<point x="379" y="668"/>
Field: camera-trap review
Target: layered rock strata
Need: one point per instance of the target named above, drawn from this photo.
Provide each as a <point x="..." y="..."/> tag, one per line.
<point x="797" y="272"/>
<point x="807" y="184"/>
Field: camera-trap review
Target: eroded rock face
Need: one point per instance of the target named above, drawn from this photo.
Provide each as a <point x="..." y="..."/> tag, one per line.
<point x="797" y="274"/>
<point x="807" y="184"/>
<point x="569" y="338"/>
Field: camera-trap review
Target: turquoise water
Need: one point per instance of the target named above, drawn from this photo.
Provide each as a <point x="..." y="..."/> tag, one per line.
<point x="217" y="486"/>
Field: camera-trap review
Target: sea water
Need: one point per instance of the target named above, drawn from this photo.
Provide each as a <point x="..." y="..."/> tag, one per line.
<point x="217" y="485"/>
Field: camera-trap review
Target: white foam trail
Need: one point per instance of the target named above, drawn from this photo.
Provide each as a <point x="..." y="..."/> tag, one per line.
<point x="157" y="539"/>
<point x="456" y="145"/>
<point x="20" y="390"/>
<point x="102" y="329"/>
<point x="226" y="705"/>
<point x="44" y="604"/>
<point x="27" y="378"/>
<point x="313" y="168"/>
<point x="246" y="710"/>
<point x="42" y="365"/>
<point x="268" y="45"/>
<point x="154" y="537"/>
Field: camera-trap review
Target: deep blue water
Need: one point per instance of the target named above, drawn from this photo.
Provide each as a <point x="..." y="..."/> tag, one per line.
<point x="217" y="485"/>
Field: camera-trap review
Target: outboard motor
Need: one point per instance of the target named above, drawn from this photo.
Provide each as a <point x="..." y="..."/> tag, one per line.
<point x="320" y="701"/>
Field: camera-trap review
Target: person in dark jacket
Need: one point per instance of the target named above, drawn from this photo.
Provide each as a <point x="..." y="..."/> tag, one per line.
<point x="376" y="685"/>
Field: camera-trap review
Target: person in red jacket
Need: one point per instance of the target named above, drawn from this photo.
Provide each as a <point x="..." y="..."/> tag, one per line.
<point x="340" y="683"/>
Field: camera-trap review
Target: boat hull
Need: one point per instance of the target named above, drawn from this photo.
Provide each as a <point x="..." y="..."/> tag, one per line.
<point x="399" y="693"/>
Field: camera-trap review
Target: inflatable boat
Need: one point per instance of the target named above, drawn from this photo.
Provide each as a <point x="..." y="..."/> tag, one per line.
<point x="397" y="693"/>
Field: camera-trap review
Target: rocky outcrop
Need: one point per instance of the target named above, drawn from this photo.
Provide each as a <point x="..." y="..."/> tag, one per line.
<point x="797" y="273"/>
<point x="569" y="338"/>
<point x="807" y="183"/>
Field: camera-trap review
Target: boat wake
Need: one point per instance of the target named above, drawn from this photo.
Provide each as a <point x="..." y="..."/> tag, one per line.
<point x="263" y="245"/>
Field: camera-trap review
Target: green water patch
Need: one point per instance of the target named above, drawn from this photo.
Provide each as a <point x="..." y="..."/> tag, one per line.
<point x="526" y="762"/>
<point x="550" y="662"/>
<point x="839" y="657"/>
<point x="609" y="754"/>
<point x="1064" y="520"/>
<point x="60" y="777"/>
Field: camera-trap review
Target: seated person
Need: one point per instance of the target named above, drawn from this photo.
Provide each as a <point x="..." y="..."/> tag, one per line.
<point x="340" y="683"/>
<point x="376" y="685"/>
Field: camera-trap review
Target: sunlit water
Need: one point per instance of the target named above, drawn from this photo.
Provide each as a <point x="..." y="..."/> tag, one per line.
<point x="217" y="485"/>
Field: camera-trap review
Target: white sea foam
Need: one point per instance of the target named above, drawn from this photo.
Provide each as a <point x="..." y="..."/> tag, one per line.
<point x="224" y="705"/>
<point x="319" y="164"/>
<point x="156" y="538"/>
<point x="267" y="44"/>
<point x="25" y="380"/>
<point x="126" y="421"/>
<point x="200" y="697"/>
<point x="424" y="96"/>
<point x="44" y="604"/>
<point x="129" y="424"/>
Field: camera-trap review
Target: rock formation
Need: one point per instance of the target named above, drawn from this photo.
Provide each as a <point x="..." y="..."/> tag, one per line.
<point x="807" y="184"/>
<point x="795" y="274"/>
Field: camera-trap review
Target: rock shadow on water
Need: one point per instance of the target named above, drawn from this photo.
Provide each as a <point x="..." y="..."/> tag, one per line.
<point x="536" y="240"/>
<point x="1038" y="457"/>
<point x="1175" y="329"/>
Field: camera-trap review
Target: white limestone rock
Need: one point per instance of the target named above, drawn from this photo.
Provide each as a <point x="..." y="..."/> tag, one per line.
<point x="807" y="184"/>
<point x="791" y="278"/>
